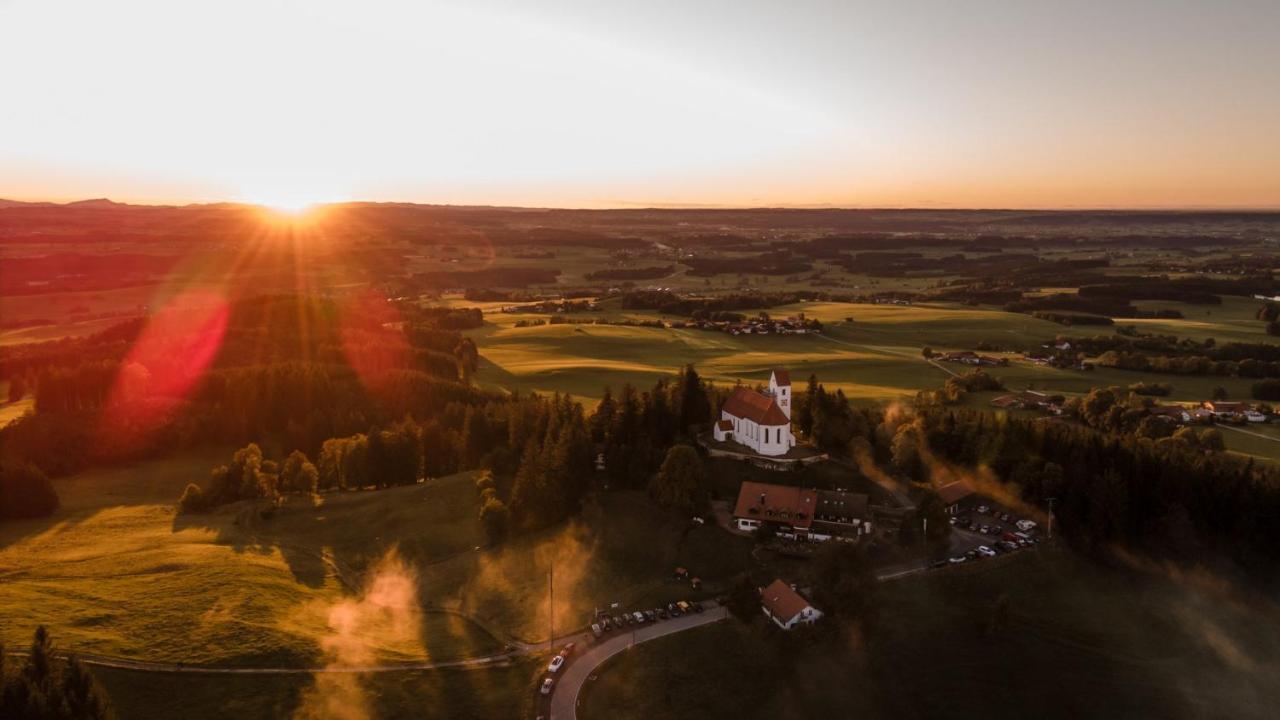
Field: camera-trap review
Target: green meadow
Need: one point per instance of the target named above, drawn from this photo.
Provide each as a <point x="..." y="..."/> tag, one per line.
<point x="117" y="572"/>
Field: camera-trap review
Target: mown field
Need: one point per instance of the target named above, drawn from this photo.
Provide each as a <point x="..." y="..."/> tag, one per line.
<point x="116" y="572"/>
<point x="1080" y="641"/>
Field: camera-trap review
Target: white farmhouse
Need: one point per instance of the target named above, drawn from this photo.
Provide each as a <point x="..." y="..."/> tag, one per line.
<point x="786" y="607"/>
<point x="759" y="420"/>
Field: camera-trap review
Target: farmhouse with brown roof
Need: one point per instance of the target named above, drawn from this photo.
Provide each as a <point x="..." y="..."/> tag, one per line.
<point x="786" y="607"/>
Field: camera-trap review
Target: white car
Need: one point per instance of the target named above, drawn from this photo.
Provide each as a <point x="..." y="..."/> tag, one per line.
<point x="546" y="686"/>
<point x="1026" y="525"/>
<point x="554" y="665"/>
<point x="957" y="560"/>
<point x="985" y="551"/>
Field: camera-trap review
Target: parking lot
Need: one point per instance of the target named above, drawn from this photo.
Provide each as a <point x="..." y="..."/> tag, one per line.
<point x="987" y="531"/>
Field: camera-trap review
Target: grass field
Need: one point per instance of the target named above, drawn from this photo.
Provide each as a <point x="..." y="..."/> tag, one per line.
<point x="1081" y="641"/>
<point x="10" y="411"/>
<point x="494" y="693"/>
<point x="116" y="572"/>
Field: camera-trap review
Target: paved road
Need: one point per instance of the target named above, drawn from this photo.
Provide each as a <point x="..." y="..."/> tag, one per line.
<point x="564" y="700"/>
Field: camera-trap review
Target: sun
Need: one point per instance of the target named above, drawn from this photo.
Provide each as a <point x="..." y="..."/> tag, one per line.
<point x="293" y="201"/>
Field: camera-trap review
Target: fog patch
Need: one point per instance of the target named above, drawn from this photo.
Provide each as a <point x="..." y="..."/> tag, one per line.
<point x="385" y="614"/>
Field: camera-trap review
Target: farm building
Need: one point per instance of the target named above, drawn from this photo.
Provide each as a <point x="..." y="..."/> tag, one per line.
<point x="786" y="607"/>
<point x="760" y="420"/>
<point x="955" y="495"/>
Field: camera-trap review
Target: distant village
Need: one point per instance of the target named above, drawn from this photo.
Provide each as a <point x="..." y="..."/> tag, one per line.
<point x="1208" y="411"/>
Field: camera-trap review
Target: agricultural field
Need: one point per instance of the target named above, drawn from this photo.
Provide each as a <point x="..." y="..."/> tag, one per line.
<point x="1119" y="642"/>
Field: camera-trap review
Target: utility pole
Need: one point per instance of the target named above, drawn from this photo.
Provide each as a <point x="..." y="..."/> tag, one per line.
<point x="1051" y="501"/>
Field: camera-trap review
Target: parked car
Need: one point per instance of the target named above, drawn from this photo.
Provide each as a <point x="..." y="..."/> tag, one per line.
<point x="597" y="630"/>
<point x="1026" y="525"/>
<point x="971" y="555"/>
<point x="639" y="617"/>
<point x="983" y="529"/>
<point x="673" y="609"/>
<point x="964" y="520"/>
<point x="662" y="613"/>
<point x="606" y="624"/>
<point x="1009" y="536"/>
<point x="985" y="551"/>
<point x="982" y="509"/>
<point x="567" y="650"/>
<point x="651" y="616"/>
<point x="697" y="607"/>
<point x="546" y="685"/>
<point x="684" y="606"/>
<point x="556" y="662"/>
<point x="957" y="560"/>
<point x="619" y="622"/>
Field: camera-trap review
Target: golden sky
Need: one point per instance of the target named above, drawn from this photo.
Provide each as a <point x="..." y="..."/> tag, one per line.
<point x="1146" y="103"/>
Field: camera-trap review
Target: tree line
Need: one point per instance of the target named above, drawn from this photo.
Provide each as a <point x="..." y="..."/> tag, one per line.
<point x="42" y="687"/>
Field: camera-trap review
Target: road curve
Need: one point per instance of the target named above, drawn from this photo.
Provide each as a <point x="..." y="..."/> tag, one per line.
<point x="564" y="700"/>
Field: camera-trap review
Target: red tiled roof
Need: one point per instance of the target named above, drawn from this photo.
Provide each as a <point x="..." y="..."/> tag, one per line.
<point x="783" y="376"/>
<point x="725" y="424"/>
<point x="781" y="601"/>
<point x="952" y="493"/>
<point x="760" y="408"/>
<point x="782" y="503"/>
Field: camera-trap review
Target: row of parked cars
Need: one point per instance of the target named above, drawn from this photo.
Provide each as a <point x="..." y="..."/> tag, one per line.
<point x="605" y="623"/>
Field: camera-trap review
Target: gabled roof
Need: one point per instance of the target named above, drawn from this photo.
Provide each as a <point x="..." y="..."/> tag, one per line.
<point x="781" y="601"/>
<point x="779" y="503"/>
<point x="952" y="493"/>
<point x="757" y="407"/>
<point x="783" y="377"/>
<point x="725" y="424"/>
<point x="839" y="504"/>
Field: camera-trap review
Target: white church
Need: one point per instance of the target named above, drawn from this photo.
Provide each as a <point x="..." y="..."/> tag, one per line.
<point x="761" y="420"/>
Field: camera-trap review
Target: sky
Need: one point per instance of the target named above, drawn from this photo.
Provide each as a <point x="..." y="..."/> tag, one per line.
<point x="599" y="103"/>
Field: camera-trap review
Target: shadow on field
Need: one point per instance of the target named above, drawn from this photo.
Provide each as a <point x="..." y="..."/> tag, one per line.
<point x="239" y="528"/>
<point x="13" y="532"/>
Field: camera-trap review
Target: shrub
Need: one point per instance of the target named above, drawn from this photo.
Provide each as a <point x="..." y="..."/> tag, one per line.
<point x="193" y="500"/>
<point x="25" y="492"/>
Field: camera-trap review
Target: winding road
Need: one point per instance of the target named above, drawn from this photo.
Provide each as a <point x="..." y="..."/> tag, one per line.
<point x="564" y="699"/>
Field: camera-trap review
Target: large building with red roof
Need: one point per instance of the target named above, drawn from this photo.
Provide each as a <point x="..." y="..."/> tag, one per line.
<point x="802" y="513"/>
<point x="760" y="420"/>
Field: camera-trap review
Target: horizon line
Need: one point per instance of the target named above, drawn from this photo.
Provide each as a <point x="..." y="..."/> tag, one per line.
<point x="692" y="206"/>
